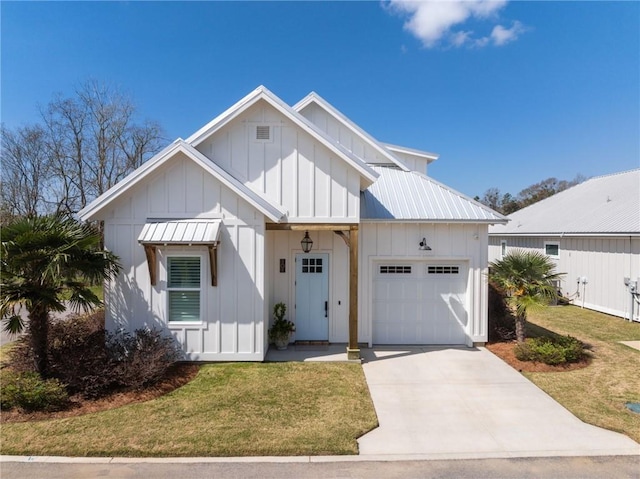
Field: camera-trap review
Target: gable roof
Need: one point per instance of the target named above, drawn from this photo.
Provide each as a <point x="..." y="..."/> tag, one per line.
<point x="604" y="205"/>
<point x="93" y="209"/>
<point x="262" y="93"/>
<point x="313" y="97"/>
<point x="411" y="196"/>
<point x="430" y="157"/>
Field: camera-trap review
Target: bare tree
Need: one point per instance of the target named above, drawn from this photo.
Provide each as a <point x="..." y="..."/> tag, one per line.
<point x="94" y="142"/>
<point x="26" y="171"/>
<point x="492" y="198"/>
<point x="85" y="145"/>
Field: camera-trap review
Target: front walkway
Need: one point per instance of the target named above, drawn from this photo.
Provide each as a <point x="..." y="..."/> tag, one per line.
<point x="322" y="352"/>
<point x="457" y="402"/>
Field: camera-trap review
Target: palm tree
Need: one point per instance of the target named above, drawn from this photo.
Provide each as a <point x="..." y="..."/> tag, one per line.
<point x="526" y="279"/>
<point x="46" y="261"/>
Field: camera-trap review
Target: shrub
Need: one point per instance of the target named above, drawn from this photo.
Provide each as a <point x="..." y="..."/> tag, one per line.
<point x="142" y="358"/>
<point x="501" y="322"/>
<point x="92" y="362"/>
<point x="550" y="350"/>
<point x="28" y="392"/>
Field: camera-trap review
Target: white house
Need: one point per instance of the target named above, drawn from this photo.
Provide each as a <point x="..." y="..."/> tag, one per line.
<point x="592" y="231"/>
<point x="209" y="235"/>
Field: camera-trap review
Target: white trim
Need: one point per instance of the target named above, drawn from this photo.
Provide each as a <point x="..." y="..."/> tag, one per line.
<point x="200" y="290"/>
<point x="93" y="209"/>
<point x="262" y="93"/>
<point x="427" y="220"/>
<point x="552" y="243"/>
<point x="413" y="152"/>
<point x="503" y="248"/>
<point x="566" y="235"/>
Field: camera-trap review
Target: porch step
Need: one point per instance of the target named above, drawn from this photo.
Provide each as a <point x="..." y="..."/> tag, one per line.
<point x="311" y="345"/>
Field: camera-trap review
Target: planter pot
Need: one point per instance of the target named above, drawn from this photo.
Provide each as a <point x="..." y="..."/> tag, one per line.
<point x="281" y="342"/>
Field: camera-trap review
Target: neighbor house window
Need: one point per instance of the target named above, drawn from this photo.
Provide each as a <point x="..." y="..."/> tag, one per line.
<point x="552" y="249"/>
<point x="503" y="248"/>
<point x="183" y="288"/>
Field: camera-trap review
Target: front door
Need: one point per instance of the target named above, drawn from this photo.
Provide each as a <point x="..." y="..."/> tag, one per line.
<point x="312" y="297"/>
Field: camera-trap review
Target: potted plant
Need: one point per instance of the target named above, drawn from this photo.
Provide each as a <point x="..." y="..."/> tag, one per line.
<point x="281" y="329"/>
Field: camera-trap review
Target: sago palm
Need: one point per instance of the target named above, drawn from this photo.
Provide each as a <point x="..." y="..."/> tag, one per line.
<point x="527" y="280"/>
<point x="46" y="261"/>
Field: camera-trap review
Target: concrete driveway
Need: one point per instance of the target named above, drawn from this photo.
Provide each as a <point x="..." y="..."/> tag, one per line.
<point x="450" y="402"/>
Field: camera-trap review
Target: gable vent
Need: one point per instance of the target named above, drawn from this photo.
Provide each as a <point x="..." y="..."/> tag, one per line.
<point x="263" y="132"/>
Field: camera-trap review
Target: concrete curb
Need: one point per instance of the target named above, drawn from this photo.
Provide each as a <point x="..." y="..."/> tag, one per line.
<point x="318" y="459"/>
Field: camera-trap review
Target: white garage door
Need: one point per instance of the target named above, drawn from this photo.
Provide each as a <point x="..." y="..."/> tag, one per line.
<point x="419" y="303"/>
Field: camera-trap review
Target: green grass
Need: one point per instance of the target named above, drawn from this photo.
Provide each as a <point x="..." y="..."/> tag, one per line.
<point x="98" y="290"/>
<point x="596" y="394"/>
<point x="231" y="409"/>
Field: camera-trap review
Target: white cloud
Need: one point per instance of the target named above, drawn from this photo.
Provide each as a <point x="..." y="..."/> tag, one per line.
<point x="460" y="38"/>
<point x="502" y="36"/>
<point x="434" y="21"/>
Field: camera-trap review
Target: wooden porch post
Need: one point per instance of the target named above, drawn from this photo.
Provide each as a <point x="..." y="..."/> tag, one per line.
<point x="353" y="352"/>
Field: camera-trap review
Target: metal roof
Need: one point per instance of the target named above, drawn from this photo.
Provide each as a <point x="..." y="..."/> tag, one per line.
<point x="181" y="232"/>
<point x="411" y="196"/>
<point x="602" y="205"/>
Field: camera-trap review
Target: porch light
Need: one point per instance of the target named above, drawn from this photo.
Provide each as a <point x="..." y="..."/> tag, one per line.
<point x="424" y="246"/>
<point x="306" y="242"/>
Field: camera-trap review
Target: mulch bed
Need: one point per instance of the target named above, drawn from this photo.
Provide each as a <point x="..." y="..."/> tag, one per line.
<point x="177" y="376"/>
<point x="505" y="352"/>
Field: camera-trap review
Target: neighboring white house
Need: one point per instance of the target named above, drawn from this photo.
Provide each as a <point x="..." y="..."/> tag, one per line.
<point x="592" y="231"/>
<point x="209" y="235"/>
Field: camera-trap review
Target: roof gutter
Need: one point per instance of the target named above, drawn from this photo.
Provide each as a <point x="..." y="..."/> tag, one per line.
<point x="570" y="235"/>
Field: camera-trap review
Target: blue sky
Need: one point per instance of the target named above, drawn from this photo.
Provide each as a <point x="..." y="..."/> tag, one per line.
<point x="508" y="93"/>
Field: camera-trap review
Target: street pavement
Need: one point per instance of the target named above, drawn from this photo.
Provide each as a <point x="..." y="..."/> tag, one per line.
<point x="621" y="467"/>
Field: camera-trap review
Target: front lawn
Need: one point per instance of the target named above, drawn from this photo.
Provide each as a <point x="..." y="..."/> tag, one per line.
<point x="596" y="394"/>
<point x="230" y="409"/>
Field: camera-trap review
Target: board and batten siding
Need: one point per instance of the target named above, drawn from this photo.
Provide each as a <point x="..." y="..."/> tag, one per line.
<point x="281" y="287"/>
<point x="454" y="242"/>
<point x="413" y="162"/>
<point x="291" y="168"/>
<point x="604" y="261"/>
<point x="343" y="135"/>
<point x="232" y="328"/>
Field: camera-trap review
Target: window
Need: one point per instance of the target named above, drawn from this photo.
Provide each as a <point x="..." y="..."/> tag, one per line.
<point x="503" y="248"/>
<point x="312" y="265"/>
<point x="183" y="288"/>
<point x="552" y="249"/>
<point x="443" y="270"/>
<point x="395" y="269"/>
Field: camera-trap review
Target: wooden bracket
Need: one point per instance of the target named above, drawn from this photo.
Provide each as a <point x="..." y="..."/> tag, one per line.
<point x="344" y="237"/>
<point x="150" y="251"/>
<point x="213" y="263"/>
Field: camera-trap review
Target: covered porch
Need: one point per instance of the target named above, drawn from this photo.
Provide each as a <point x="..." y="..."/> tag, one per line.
<point x="295" y="249"/>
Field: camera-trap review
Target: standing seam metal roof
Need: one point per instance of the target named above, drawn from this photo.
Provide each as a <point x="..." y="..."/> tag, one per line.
<point x="181" y="232"/>
<point x="411" y="196"/>
<point x="601" y="205"/>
